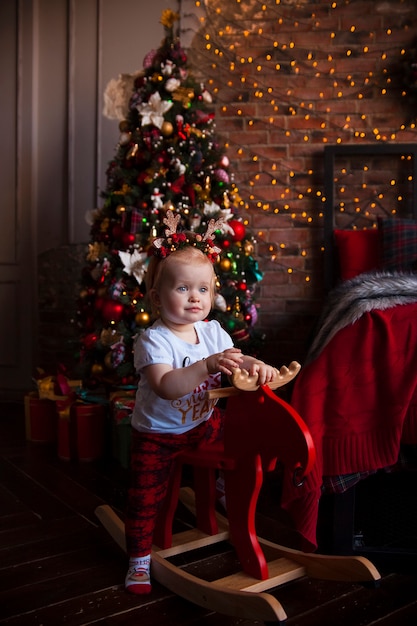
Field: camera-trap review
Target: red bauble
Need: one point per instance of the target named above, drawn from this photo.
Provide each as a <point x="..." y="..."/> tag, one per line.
<point x="128" y="239"/>
<point x="242" y="286"/>
<point x="238" y="229"/>
<point x="112" y="311"/>
<point x="90" y="340"/>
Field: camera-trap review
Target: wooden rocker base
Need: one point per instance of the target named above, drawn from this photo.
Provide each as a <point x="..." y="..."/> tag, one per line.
<point x="240" y="595"/>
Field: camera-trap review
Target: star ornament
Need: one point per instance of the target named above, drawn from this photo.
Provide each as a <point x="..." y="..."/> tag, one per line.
<point x="134" y="264"/>
<point x="153" y="111"/>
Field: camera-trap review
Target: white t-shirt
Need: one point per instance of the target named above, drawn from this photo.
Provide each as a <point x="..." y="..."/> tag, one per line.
<point x="158" y="344"/>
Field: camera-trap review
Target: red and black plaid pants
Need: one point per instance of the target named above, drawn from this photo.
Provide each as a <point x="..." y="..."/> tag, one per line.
<point x="152" y="460"/>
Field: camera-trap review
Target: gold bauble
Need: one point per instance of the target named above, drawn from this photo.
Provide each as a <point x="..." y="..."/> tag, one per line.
<point x="225" y="265"/>
<point x="167" y="129"/>
<point x="97" y="369"/>
<point x="142" y="318"/>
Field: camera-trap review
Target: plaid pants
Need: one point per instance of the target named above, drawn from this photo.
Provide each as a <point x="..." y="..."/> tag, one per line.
<point x="152" y="459"/>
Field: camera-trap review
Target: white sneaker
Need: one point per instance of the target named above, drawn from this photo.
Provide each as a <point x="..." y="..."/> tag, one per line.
<point x="138" y="580"/>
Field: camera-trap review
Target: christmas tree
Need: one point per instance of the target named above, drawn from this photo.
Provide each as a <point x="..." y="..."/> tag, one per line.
<point x="168" y="158"/>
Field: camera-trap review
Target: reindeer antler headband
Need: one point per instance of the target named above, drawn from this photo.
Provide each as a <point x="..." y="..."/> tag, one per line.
<point x="173" y="240"/>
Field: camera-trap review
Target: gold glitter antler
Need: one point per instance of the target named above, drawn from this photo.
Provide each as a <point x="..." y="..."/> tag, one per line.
<point x="212" y="226"/>
<point x="174" y="240"/>
<point x="171" y="220"/>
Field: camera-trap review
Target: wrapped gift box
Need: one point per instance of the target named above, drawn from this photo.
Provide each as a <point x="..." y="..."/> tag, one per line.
<point x="121" y="408"/>
<point x="81" y="430"/>
<point x="41" y="419"/>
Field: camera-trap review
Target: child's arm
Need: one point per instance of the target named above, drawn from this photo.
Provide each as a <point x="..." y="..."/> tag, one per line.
<point x="171" y="383"/>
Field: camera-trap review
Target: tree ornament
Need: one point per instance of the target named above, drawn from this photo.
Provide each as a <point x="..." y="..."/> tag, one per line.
<point x="231" y="324"/>
<point x="238" y="229"/>
<point x="128" y="239"/>
<point x="167" y="129"/>
<point x="112" y="311"/>
<point x="97" y="369"/>
<point x="241" y="335"/>
<point x="225" y="265"/>
<point x="142" y="318"/>
<point x="134" y="264"/>
<point x="90" y="340"/>
<point x="220" y="303"/>
<point x="221" y="175"/>
<point x="153" y="111"/>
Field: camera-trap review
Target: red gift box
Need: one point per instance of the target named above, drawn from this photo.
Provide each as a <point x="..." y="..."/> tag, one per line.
<point x="41" y="419"/>
<point x="81" y="431"/>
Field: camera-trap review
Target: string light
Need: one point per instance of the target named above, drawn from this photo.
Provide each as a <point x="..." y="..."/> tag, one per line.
<point x="264" y="65"/>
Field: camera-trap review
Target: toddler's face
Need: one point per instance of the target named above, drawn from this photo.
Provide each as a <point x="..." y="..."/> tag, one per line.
<point x="185" y="293"/>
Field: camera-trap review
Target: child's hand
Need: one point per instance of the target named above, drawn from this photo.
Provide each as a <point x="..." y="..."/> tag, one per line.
<point x="224" y="362"/>
<point x="265" y="373"/>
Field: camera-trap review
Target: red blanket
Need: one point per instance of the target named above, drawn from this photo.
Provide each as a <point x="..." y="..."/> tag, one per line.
<point x="356" y="397"/>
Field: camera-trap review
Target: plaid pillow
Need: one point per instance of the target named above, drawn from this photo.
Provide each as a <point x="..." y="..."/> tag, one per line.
<point x="399" y="244"/>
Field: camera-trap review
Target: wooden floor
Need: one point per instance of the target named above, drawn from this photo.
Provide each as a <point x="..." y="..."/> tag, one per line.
<point x="58" y="566"/>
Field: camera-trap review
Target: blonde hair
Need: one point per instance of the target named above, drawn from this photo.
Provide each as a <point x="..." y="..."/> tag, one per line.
<point x="158" y="267"/>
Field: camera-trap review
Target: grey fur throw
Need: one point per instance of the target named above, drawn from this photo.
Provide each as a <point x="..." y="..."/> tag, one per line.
<point x="352" y="298"/>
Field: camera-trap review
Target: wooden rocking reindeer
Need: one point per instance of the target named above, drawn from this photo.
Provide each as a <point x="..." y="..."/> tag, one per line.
<point x="260" y="430"/>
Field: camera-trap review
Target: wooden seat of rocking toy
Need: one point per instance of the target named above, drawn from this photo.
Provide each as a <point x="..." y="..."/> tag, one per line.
<point x="260" y="430"/>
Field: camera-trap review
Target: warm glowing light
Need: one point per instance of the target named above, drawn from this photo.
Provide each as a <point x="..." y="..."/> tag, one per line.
<point x="272" y="103"/>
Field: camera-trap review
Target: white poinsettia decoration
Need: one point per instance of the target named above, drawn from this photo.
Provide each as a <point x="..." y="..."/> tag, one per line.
<point x="153" y="112"/>
<point x="134" y="264"/>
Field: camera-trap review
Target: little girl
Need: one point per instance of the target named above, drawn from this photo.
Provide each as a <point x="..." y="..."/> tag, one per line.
<point x="178" y="359"/>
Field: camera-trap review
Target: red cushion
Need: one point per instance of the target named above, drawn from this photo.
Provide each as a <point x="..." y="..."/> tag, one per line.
<point x="359" y="251"/>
